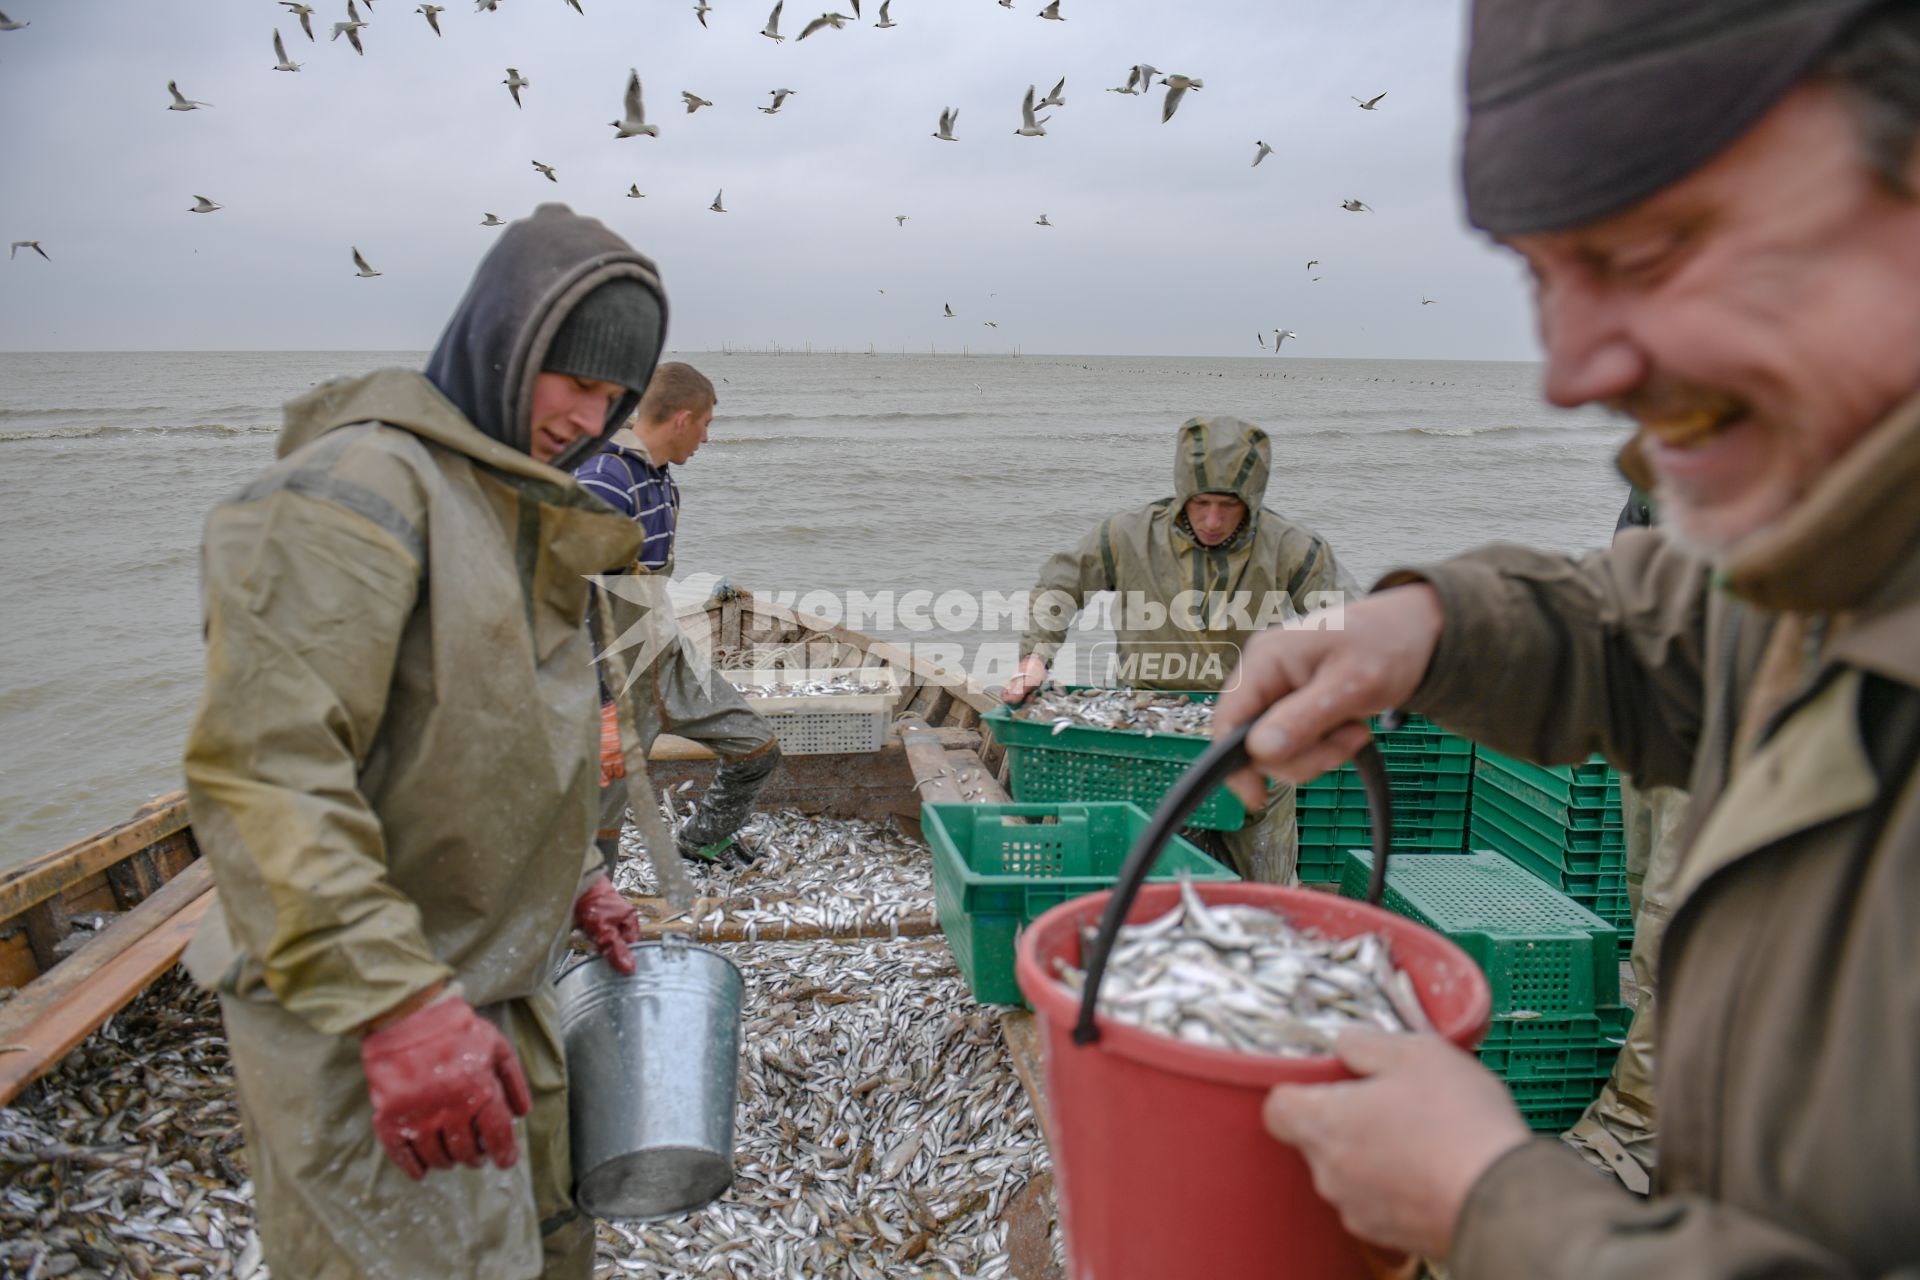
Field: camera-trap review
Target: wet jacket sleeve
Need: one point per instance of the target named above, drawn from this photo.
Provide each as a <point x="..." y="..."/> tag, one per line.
<point x="305" y="606"/>
<point x="1542" y="1213"/>
<point x="1314" y="573"/>
<point x="1553" y="658"/>
<point x="1066" y="580"/>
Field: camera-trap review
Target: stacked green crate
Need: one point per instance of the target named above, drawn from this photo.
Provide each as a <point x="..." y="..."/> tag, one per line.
<point x="1562" y="823"/>
<point x="1558" y="1022"/>
<point x="1432" y="775"/>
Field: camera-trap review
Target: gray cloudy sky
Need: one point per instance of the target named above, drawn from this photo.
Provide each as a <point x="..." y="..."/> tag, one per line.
<point x="1165" y="239"/>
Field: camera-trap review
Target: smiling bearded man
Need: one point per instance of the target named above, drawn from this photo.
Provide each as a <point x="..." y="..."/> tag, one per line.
<point x="1718" y="203"/>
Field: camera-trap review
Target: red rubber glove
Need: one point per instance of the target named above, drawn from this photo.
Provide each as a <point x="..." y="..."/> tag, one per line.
<point x="609" y="921"/>
<point x="445" y="1087"/>
<point x="613" y="759"/>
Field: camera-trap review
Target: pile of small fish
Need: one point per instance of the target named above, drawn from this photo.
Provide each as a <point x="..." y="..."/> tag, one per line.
<point x="127" y="1159"/>
<point x="1240" y="977"/>
<point x="882" y="1130"/>
<point x="845" y="682"/>
<point x="1143" y="709"/>
<point x="839" y="875"/>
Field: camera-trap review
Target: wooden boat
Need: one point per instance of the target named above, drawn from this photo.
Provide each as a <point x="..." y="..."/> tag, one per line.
<point x="85" y="928"/>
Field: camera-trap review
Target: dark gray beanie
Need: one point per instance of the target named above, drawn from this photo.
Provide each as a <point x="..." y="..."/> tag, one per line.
<point x="1577" y="109"/>
<point x="610" y="336"/>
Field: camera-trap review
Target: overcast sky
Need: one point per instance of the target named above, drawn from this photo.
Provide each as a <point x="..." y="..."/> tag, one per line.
<point x="1165" y="239"/>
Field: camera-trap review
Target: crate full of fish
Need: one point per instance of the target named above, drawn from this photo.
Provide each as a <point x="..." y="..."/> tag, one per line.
<point x="1081" y="742"/>
<point x="1544" y="954"/>
<point x="996" y="867"/>
<point x="823" y="710"/>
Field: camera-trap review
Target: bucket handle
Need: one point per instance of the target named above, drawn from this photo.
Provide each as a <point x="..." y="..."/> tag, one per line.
<point x="1226" y="755"/>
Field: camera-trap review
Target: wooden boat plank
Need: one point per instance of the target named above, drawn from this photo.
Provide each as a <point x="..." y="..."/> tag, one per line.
<point x="39" y="879"/>
<point x="1021" y="1030"/>
<point x="43" y="1042"/>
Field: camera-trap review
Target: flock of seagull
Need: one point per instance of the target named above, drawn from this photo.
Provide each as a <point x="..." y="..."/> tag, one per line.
<point x="1141" y="80"/>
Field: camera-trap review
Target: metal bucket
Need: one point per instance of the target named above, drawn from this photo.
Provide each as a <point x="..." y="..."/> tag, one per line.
<point x="652" y="1075"/>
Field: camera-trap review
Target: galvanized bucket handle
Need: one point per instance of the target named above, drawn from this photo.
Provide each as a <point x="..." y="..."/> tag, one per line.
<point x="1226" y="755"/>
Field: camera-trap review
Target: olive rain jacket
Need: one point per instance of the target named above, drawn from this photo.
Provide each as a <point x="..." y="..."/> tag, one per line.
<point x="394" y="766"/>
<point x="1230" y="590"/>
<point x="1784" y="692"/>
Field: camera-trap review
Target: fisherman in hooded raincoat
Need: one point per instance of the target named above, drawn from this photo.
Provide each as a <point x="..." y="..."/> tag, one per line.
<point x="394" y="769"/>
<point x="1197" y="575"/>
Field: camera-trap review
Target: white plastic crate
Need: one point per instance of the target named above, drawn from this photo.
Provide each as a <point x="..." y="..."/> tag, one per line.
<point x="824" y="723"/>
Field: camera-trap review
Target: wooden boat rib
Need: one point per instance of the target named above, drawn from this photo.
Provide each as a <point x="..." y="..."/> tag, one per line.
<point x="143" y="883"/>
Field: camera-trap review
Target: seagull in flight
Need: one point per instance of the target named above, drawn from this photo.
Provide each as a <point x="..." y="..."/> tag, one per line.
<point x="780" y="97"/>
<point x="491" y="221"/>
<point x="181" y="102"/>
<point x="716" y="206"/>
<point x="635" y="120"/>
<point x="1425" y="301"/>
<point x="634" y="192"/>
<point x="1051" y="11"/>
<point x="834" y="20"/>
<point x="203" y="205"/>
<point x="948" y="307"/>
<point x="365" y="271"/>
<point x="1370" y="103"/>
<point x="280" y="52"/>
<point x="1355" y="206"/>
<point x="991" y="324"/>
<point x="432" y="12"/>
<point x="1029" y="127"/>
<point x="694" y="101"/>
<point x="900" y="218"/>
<point x="1312" y="263"/>
<point x="546" y="169"/>
<point x="491" y="6"/>
<point x="1177" y="87"/>
<point x="885" y="21"/>
<point x="18" y="245"/>
<point x="515" y="82"/>
<point x="701" y="10"/>
<point x="1139" y="79"/>
<point x="1280" y="336"/>
<point x="304" y="12"/>
<point x="1260" y="151"/>
<point x="1053" y="98"/>
<point x="352" y="28"/>
<point x="1041" y="221"/>
<point x="772" y="31"/>
<point x="8" y="24"/>
<point x="575" y="3"/>
<point x="947" y="120"/>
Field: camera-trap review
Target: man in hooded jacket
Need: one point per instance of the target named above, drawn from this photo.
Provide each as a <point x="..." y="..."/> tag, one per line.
<point x="393" y="773"/>
<point x="1198" y="574"/>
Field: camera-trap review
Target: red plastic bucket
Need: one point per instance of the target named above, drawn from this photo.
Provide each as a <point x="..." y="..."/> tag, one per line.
<point x="1163" y="1167"/>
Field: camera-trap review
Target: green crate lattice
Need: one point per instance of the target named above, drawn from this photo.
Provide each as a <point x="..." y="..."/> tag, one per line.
<point x="992" y="877"/>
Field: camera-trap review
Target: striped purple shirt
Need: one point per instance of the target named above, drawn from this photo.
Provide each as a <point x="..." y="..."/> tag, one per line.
<point x="624" y="480"/>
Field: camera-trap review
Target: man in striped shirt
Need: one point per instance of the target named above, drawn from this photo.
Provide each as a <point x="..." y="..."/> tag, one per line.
<point x="632" y="476"/>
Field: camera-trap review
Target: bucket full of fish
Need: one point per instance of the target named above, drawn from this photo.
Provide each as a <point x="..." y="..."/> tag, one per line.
<point x="652" y="1076"/>
<point x="1163" y="1030"/>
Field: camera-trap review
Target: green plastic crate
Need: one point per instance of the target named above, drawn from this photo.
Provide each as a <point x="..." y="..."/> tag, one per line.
<point x="1554" y="1117"/>
<point x="992" y="877"/>
<point x="1590" y="785"/>
<point x="1541" y="951"/>
<point x="1588" y="849"/>
<point x="1602" y="891"/>
<point x="1081" y="763"/>
<point x="1489" y="776"/>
